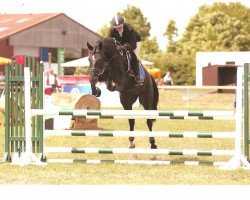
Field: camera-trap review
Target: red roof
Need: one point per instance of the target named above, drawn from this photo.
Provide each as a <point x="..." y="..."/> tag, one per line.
<point x="11" y="24"/>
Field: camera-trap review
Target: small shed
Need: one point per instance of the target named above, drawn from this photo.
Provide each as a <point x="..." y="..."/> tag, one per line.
<point x="219" y="75"/>
<point x="203" y="59"/>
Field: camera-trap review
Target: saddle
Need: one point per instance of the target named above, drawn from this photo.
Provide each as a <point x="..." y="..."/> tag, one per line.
<point x="129" y="61"/>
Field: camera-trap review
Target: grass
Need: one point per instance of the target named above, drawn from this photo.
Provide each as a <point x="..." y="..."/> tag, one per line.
<point x="120" y="174"/>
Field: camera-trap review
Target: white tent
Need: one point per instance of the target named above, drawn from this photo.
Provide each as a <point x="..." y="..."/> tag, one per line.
<point x="148" y="63"/>
<point x="81" y="62"/>
<point x="84" y="62"/>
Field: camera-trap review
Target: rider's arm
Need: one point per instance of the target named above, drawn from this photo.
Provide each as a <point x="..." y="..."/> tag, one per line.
<point x="132" y="44"/>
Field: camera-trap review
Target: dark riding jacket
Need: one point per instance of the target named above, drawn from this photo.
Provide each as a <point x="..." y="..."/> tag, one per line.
<point x="128" y="36"/>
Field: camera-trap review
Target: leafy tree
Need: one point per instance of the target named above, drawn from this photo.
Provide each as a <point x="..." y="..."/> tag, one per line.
<point x="104" y="31"/>
<point x="134" y="16"/>
<point x="221" y="27"/>
<point x="171" y="33"/>
<point x="148" y="48"/>
<point x="181" y="66"/>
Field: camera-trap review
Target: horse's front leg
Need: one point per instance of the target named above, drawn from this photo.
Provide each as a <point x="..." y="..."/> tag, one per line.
<point x="131" y="139"/>
<point x="151" y="139"/>
<point x="127" y="101"/>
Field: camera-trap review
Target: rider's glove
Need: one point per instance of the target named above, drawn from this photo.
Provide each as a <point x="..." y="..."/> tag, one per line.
<point x="126" y="46"/>
<point x="120" y="48"/>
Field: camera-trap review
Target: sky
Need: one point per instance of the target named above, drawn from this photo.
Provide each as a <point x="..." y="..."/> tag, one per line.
<point x="96" y="13"/>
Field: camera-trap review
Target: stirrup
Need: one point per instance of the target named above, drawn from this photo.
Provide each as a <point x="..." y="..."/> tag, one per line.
<point x="138" y="80"/>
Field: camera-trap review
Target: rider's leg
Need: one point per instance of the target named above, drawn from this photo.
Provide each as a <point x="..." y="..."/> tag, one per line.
<point x="135" y="67"/>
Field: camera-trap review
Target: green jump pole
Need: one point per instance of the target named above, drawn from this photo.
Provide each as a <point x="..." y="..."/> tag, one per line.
<point x="246" y="111"/>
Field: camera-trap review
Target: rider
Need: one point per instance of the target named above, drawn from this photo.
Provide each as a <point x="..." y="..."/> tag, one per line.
<point x="128" y="38"/>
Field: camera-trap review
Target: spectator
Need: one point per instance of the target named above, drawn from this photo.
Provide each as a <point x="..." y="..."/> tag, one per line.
<point x="57" y="85"/>
<point x="2" y="76"/>
<point x="168" y="80"/>
<point x="52" y="82"/>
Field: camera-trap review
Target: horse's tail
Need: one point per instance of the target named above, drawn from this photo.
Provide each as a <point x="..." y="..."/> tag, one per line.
<point x="156" y="93"/>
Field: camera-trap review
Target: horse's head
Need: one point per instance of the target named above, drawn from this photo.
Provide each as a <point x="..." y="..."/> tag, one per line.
<point x="106" y="63"/>
<point x="97" y="66"/>
<point x="96" y="60"/>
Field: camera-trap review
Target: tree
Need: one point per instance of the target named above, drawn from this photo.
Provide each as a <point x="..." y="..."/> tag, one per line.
<point x="171" y="33"/>
<point x="134" y="16"/>
<point x="181" y="66"/>
<point x="104" y="31"/>
<point x="220" y="27"/>
<point x="148" y="48"/>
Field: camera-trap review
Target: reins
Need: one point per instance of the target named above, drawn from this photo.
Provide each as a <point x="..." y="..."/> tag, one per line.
<point x="106" y="62"/>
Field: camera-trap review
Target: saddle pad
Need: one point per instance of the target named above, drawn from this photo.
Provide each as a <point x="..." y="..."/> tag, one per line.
<point x="141" y="70"/>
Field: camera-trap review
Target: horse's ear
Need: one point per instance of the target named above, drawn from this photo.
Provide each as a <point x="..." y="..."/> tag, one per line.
<point x="100" y="46"/>
<point x="90" y="47"/>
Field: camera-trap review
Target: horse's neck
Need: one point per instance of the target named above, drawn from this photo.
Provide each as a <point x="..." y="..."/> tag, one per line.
<point x="118" y="69"/>
<point x="117" y="61"/>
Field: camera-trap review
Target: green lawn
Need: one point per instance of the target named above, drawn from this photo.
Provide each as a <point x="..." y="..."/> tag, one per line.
<point x="113" y="174"/>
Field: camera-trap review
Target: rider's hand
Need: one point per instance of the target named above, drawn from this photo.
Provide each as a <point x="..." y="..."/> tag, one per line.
<point x="120" y="48"/>
<point x="126" y="46"/>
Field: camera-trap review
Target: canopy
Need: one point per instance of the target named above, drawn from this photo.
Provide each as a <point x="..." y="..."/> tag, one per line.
<point x="84" y="62"/>
<point x="4" y="60"/>
<point x="148" y="63"/>
<point x="81" y="62"/>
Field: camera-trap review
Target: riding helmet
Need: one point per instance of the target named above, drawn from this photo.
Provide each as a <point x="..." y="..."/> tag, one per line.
<point x="117" y="20"/>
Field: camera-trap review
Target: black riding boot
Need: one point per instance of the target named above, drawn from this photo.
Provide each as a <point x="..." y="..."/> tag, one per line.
<point x="138" y="78"/>
<point x="135" y="68"/>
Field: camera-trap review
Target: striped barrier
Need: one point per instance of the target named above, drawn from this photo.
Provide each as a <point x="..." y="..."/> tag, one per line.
<point x="141" y="114"/>
<point x="236" y="161"/>
<point x="190" y="152"/>
<point x="146" y="162"/>
<point x="166" y="134"/>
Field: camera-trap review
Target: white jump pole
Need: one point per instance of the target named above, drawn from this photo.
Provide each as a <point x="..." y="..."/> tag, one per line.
<point x="238" y="161"/>
<point x="27" y="112"/>
<point x="27" y="157"/>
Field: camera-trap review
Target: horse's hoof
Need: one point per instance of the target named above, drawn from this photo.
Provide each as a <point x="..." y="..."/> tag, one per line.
<point x="134" y="157"/>
<point x="98" y="92"/>
<point x="153" y="158"/>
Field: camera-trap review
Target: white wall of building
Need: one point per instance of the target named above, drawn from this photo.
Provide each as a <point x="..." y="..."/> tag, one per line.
<point x="25" y="50"/>
<point x="218" y="58"/>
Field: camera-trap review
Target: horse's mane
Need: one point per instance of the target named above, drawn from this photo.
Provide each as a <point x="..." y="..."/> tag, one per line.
<point x="108" y="40"/>
<point x="109" y="45"/>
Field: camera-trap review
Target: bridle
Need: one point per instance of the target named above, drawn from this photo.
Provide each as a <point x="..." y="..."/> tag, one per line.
<point x="105" y="62"/>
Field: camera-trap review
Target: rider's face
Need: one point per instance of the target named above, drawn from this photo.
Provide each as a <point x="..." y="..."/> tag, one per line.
<point x="119" y="28"/>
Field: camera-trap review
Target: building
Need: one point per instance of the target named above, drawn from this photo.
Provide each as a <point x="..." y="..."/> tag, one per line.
<point x="40" y="34"/>
<point x="218" y="68"/>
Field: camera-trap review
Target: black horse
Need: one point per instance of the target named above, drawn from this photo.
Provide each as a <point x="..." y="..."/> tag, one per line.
<point x="109" y="65"/>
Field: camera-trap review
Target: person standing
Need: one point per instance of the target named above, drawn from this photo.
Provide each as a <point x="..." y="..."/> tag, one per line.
<point x="168" y="80"/>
